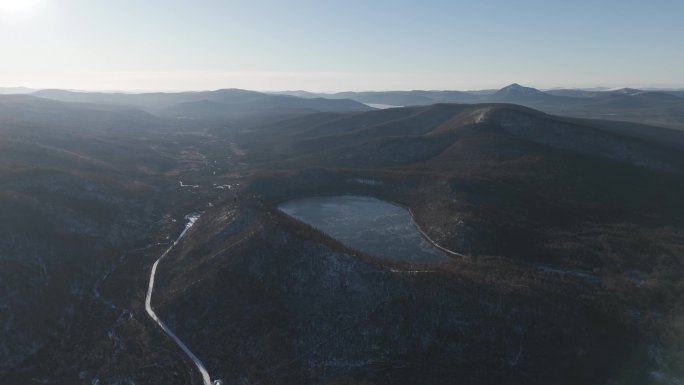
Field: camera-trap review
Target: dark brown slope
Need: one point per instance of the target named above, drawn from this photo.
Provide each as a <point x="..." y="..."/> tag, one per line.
<point x="279" y="304"/>
<point x="80" y="185"/>
<point x="396" y="136"/>
<point x="63" y="223"/>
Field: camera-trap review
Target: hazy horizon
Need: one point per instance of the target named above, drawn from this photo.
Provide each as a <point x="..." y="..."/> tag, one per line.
<point x="140" y="91"/>
<point x="338" y="46"/>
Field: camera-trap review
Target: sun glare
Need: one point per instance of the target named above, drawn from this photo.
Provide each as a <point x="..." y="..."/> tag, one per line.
<point x="10" y="7"/>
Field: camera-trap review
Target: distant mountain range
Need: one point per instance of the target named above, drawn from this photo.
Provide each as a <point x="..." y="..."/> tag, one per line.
<point x="665" y="108"/>
<point x="28" y="109"/>
<point x="15" y="90"/>
<point x="511" y="93"/>
<point x="208" y="104"/>
<point x="656" y="107"/>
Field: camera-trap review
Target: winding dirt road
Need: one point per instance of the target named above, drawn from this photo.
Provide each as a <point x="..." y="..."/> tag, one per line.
<point x="206" y="379"/>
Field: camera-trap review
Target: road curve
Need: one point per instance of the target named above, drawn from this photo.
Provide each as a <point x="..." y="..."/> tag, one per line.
<point x="206" y="379"/>
<point x="435" y="244"/>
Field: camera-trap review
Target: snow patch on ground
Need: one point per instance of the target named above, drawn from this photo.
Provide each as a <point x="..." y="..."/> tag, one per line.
<point x="188" y="185"/>
<point x="226" y="186"/>
<point x="366" y="181"/>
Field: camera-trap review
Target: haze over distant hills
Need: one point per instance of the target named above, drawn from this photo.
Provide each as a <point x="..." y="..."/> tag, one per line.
<point x="653" y="106"/>
<point x="657" y="107"/>
<point x="512" y="92"/>
<point x="220" y="103"/>
<point x="16" y="90"/>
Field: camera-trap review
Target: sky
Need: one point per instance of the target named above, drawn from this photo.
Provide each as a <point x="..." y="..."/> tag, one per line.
<point x="336" y="45"/>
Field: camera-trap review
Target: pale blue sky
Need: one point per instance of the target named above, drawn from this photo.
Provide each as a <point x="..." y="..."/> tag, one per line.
<point x="331" y="45"/>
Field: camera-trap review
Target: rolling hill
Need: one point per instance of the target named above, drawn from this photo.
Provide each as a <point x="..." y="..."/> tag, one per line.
<point x="27" y="109"/>
<point x="228" y="103"/>
<point x="628" y="104"/>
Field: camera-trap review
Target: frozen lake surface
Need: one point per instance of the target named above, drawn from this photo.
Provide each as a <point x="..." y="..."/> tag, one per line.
<point x="371" y="225"/>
